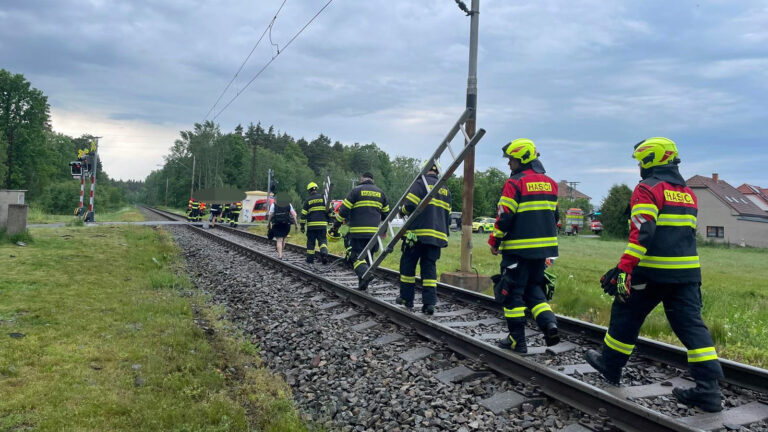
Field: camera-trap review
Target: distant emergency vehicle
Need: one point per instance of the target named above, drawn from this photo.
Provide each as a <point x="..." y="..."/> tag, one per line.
<point x="255" y="206"/>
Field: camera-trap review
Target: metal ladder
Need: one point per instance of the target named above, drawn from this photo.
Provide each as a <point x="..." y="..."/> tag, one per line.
<point x="458" y="158"/>
<point x="327" y="193"/>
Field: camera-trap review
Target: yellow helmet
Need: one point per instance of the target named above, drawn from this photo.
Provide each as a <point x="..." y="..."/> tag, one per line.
<point x="436" y="167"/>
<point x="655" y="151"/>
<point x="521" y="149"/>
<point x="311" y="185"/>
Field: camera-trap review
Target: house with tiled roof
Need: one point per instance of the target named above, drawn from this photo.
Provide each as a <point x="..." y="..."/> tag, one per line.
<point x="756" y="194"/>
<point x="565" y="190"/>
<point x="727" y="215"/>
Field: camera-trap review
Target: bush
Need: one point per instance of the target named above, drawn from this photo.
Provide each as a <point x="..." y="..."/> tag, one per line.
<point x="62" y="198"/>
<point x="614" y="211"/>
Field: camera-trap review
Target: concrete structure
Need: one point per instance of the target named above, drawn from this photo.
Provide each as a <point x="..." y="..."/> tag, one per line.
<point x="470" y="281"/>
<point x="11" y="197"/>
<point x="726" y="215"/>
<point x="17" y="218"/>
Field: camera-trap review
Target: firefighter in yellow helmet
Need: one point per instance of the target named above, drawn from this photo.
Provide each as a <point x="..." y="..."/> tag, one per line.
<point x="525" y="233"/>
<point x="314" y="220"/>
<point x="660" y="265"/>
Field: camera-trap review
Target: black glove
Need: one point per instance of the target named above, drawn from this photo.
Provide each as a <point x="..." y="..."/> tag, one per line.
<point x="302" y="228"/>
<point x="617" y="283"/>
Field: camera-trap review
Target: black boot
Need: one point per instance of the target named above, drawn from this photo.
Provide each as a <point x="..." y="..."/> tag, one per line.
<point x="551" y="335"/>
<point x="595" y="359"/>
<point x="362" y="284"/>
<point x="428" y="309"/>
<point x="510" y="344"/>
<point x="401" y="301"/>
<point x="706" y="395"/>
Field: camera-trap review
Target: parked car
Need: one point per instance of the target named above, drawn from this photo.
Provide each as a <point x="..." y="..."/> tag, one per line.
<point x="596" y="226"/>
<point x="483" y="224"/>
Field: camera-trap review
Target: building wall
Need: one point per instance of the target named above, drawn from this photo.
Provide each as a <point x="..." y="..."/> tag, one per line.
<point x="713" y="212"/>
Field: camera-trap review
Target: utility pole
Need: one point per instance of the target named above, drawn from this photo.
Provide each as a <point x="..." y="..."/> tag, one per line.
<point x="192" y="185"/>
<point x="572" y="188"/>
<point x="166" y="191"/>
<point x="469" y="162"/>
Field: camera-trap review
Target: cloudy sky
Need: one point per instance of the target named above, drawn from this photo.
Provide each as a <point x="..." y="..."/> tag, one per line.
<point x="585" y="80"/>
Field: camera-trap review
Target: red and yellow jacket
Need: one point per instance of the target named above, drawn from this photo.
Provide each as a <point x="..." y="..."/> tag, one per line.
<point x="526" y="224"/>
<point x="662" y="236"/>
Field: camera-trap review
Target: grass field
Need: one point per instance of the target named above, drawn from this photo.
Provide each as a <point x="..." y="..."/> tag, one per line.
<point x="98" y="334"/>
<point x="734" y="288"/>
<point x="125" y="214"/>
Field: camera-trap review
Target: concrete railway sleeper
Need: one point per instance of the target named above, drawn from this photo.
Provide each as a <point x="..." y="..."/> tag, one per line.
<point x="559" y="372"/>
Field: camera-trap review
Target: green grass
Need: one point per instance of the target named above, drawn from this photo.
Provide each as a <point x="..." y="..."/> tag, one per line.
<point x="125" y="214"/>
<point x="110" y="343"/>
<point x="735" y="300"/>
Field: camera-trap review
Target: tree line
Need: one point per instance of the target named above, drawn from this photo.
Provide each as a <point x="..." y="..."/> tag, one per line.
<point x="36" y="158"/>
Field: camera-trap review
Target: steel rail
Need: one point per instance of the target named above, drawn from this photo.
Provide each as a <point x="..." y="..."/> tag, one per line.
<point x="739" y="374"/>
<point x="572" y="392"/>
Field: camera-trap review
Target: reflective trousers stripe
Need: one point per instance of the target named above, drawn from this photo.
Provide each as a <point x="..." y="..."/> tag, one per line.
<point x="407" y="279"/>
<point x="357" y="264"/>
<point x="618" y="346"/>
<point x="539" y="308"/>
<point x="517" y="312"/>
<point x="702" y="354"/>
<point x="429" y="282"/>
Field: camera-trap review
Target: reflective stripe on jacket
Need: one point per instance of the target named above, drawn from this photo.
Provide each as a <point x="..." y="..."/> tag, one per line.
<point x="364" y="208"/>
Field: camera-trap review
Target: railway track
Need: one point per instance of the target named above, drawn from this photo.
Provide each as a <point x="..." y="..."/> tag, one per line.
<point x="469" y="323"/>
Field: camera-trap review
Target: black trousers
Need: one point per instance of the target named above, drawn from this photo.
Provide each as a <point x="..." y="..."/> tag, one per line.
<point x="682" y="305"/>
<point x="525" y="283"/>
<point x="426" y="256"/>
<point x="316" y="236"/>
<point x="357" y="245"/>
<point x="234" y="216"/>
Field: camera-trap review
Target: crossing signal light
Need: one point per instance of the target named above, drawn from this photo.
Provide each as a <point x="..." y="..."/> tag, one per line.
<point x="76" y="168"/>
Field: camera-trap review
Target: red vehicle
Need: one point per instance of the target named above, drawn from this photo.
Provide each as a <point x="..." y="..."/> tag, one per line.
<point x="596" y="226"/>
<point x="260" y="209"/>
<point x="335" y="204"/>
<point x="574" y="218"/>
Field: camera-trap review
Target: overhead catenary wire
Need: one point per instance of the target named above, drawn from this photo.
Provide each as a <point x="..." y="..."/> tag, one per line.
<point x="273" y="59"/>
<point x="266" y="29"/>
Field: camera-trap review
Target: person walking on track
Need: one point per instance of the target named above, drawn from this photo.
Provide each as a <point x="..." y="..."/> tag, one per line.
<point x="660" y="265"/>
<point x="422" y="243"/>
<point x="363" y="209"/>
<point x="281" y="216"/>
<point x="314" y="219"/>
<point x="525" y="232"/>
